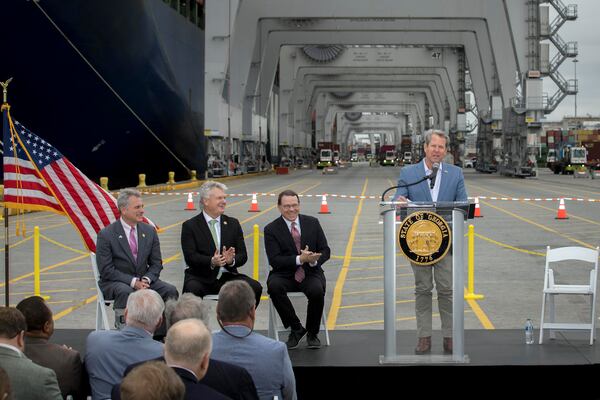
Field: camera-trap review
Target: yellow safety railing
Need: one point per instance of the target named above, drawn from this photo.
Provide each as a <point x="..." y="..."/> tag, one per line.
<point x="470" y="295"/>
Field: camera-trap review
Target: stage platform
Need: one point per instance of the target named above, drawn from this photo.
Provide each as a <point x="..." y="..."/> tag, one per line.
<point x="350" y="366"/>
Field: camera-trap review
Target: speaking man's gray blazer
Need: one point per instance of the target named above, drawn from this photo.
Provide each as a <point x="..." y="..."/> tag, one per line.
<point x="27" y="379"/>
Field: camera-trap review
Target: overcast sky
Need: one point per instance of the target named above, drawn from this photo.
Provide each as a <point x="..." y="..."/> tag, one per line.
<point x="586" y="31"/>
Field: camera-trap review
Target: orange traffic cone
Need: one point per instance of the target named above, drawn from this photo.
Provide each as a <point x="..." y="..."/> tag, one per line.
<point x="477" y="209"/>
<point x="562" y="211"/>
<point x="190" y="203"/>
<point x="254" y="204"/>
<point x="324" y="207"/>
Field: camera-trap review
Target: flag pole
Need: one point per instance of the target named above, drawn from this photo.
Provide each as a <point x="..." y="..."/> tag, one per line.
<point x="5" y="108"/>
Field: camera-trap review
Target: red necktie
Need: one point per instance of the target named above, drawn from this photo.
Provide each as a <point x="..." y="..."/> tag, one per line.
<point x="133" y="243"/>
<point x="299" y="275"/>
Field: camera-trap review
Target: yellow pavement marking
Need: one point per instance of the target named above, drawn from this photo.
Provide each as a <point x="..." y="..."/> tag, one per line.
<point x="70" y="260"/>
<point x="535" y="223"/>
<point x="481" y="316"/>
<point x="380" y="267"/>
<point x="380" y="321"/>
<point x="339" y="285"/>
<point x="58" y="301"/>
<point x="48" y="291"/>
<point x="377" y="290"/>
<point x="62" y="279"/>
<point x="18" y="243"/>
<point x="87" y="271"/>
<point x="69" y="310"/>
<point x="535" y="253"/>
<point x="366" y="278"/>
<point x="376" y="304"/>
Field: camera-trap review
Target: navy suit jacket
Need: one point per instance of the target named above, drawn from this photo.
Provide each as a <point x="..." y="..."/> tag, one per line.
<point x="199" y="247"/>
<point x="452" y="186"/>
<point x="281" y="250"/>
<point x="226" y="378"/>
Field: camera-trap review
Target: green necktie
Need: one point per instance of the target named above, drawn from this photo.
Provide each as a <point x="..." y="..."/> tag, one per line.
<point x="213" y="231"/>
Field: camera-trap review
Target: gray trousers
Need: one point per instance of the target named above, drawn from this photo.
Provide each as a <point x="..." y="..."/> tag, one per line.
<point x="424" y="277"/>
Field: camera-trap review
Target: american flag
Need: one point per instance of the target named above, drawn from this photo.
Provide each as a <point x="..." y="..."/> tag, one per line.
<point x="38" y="177"/>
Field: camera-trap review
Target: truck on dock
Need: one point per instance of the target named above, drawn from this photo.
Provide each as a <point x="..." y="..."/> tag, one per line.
<point x="325" y="155"/>
<point x="566" y="159"/>
<point x="387" y="155"/>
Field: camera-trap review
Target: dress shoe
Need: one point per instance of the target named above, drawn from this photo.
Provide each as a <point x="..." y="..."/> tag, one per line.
<point x="448" y="345"/>
<point x="423" y="345"/>
<point x="313" y="341"/>
<point x="295" y="337"/>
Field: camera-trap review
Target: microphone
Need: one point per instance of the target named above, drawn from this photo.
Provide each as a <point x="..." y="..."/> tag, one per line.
<point x="434" y="171"/>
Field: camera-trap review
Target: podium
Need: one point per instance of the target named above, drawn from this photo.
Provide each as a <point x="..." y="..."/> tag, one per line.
<point x="455" y="214"/>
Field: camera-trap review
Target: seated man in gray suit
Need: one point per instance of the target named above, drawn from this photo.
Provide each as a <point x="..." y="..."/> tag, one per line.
<point x="64" y="361"/>
<point x="28" y="380"/>
<point x="266" y="360"/>
<point x="108" y="353"/>
<point x="128" y="256"/>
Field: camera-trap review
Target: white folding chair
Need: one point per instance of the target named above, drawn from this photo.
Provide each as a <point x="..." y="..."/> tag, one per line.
<point x="101" y="303"/>
<point x="275" y="324"/>
<point x="551" y="289"/>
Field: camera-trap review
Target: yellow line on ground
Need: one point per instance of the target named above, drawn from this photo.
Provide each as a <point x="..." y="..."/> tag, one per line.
<point x="172" y="258"/>
<point x="18" y="243"/>
<point x="363" y="258"/>
<point x="367" y="278"/>
<point x="59" y="301"/>
<point x="381" y="267"/>
<point x="69" y="310"/>
<point x="377" y="290"/>
<point x="62" y="280"/>
<point x="380" y="321"/>
<point x="87" y="271"/>
<point x="339" y="284"/>
<point x="481" y="316"/>
<point x="47" y="291"/>
<point x="534" y="253"/>
<point x="375" y="304"/>
<point x="54" y="242"/>
<point x="70" y="260"/>
<point x="538" y="225"/>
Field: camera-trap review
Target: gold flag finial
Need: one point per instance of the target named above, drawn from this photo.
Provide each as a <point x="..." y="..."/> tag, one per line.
<point x="5" y="89"/>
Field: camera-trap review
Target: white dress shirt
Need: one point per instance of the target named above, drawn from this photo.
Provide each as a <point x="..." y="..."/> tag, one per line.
<point x="438" y="179"/>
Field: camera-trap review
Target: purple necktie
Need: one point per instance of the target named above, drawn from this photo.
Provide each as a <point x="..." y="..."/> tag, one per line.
<point x="299" y="275"/>
<point x="133" y="243"/>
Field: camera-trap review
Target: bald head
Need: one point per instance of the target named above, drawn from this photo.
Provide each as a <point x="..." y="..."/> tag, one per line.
<point x="188" y="344"/>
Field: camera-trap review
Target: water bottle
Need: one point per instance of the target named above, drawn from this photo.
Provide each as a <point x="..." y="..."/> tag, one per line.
<point x="529" y="331"/>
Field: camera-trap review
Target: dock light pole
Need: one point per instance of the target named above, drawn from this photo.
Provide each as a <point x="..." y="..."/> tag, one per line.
<point x="575" y="61"/>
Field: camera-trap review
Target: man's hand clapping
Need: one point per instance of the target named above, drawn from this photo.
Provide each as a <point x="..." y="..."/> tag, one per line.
<point x="307" y="256"/>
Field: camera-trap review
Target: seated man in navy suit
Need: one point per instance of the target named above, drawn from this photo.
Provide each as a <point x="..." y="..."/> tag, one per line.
<point x="297" y="248"/>
<point x="448" y="184"/>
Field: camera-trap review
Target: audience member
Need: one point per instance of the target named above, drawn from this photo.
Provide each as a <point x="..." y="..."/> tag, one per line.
<point x="152" y="381"/>
<point x="64" y="361"/>
<point x="108" y="353"/>
<point x="226" y="378"/>
<point x="28" y="380"/>
<point x="4" y="385"/>
<point x="266" y="360"/>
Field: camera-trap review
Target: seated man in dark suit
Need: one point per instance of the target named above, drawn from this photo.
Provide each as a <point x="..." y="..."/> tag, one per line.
<point x="296" y="248"/>
<point x="27" y="379"/>
<point x="128" y="256"/>
<point x="226" y="378"/>
<point x="213" y="246"/>
<point x="64" y="361"/>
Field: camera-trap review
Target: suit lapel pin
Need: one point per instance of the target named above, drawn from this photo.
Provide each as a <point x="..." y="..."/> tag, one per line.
<point x="224" y="222"/>
<point x="120" y="237"/>
<point x="143" y="235"/>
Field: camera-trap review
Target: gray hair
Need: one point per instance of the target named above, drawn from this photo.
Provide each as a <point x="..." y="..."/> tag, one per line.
<point x="187" y="342"/>
<point x="187" y="306"/>
<point x="236" y="300"/>
<point x="207" y="187"/>
<point x="124" y="196"/>
<point x="144" y="309"/>
<point x="429" y="133"/>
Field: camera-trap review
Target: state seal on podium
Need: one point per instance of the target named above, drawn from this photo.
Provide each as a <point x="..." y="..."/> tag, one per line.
<point x="424" y="237"/>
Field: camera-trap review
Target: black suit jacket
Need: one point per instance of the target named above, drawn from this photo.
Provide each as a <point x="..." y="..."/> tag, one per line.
<point x="281" y="250"/>
<point x="199" y="247"/>
<point x="229" y="379"/>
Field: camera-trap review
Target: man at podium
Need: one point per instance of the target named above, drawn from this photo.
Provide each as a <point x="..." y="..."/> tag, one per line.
<point x="445" y="184"/>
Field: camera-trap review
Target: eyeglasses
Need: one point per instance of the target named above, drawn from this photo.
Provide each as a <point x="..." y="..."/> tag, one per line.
<point x="290" y="206"/>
